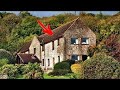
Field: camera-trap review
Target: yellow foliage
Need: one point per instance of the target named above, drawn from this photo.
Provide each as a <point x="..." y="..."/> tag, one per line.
<point x="76" y="68"/>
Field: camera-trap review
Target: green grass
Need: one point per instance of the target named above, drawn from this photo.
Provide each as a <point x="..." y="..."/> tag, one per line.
<point x="67" y="76"/>
<point x="19" y="77"/>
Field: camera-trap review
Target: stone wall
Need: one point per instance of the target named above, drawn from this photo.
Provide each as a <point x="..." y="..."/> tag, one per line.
<point x="78" y="31"/>
<point x="35" y="44"/>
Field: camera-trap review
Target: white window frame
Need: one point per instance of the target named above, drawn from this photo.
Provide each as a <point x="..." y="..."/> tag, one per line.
<point x="76" y="41"/>
<point x="87" y="41"/>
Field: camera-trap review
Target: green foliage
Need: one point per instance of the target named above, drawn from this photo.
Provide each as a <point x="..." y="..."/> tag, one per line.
<point x="11" y="20"/>
<point x="9" y="70"/>
<point x="27" y="71"/>
<point x="70" y="62"/>
<point x="60" y="18"/>
<point x="6" y="54"/>
<point x="61" y="68"/>
<point x="101" y="66"/>
<point x="24" y="14"/>
<point x="32" y="71"/>
<point x="59" y="72"/>
<point x="3" y="62"/>
<point x="62" y="65"/>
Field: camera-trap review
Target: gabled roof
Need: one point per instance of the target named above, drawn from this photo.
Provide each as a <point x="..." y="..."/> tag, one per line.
<point x="28" y="58"/>
<point x="25" y="47"/>
<point x="57" y="33"/>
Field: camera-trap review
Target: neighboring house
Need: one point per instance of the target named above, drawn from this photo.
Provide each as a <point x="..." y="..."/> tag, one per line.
<point x="26" y="58"/>
<point x="69" y="41"/>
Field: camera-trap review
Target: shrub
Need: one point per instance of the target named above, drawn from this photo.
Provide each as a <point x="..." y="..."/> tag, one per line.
<point x="62" y="65"/>
<point x="7" y="55"/>
<point x="32" y="71"/>
<point x="38" y="75"/>
<point x="58" y="72"/>
<point x="69" y="61"/>
<point x="9" y="70"/>
<point x="28" y="71"/>
<point x="62" y="68"/>
<point x="3" y="62"/>
<point x="76" y="68"/>
<point x="101" y="66"/>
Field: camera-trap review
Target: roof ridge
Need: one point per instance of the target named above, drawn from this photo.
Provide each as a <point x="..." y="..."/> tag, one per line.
<point x="64" y="25"/>
<point x="73" y="23"/>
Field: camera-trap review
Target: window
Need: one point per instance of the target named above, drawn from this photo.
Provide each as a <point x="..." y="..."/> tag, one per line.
<point x="85" y="40"/>
<point x="43" y="62"/>
<point x="58" y="58"/>
<point x="58" y="42"/>
<point x="43" y="47"/>
<point x="84" y="57"/>
<point x="34" y="50"/>
<point x="48" y="62"/>
<point x="53" y="61"/>
<point x="52" y="45"/>
<point x="74" y="57"/>
<point x="74" y="41"/>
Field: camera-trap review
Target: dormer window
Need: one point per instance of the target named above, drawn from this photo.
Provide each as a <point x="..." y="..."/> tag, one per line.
<point x="84" y="41"/>
<point x="74" y="40"/>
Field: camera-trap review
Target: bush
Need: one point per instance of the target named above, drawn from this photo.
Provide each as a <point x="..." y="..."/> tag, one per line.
<point x="58" y="72"/>
<point x="7" y="55"/>
<point x="32" y="71"/>
<point x="28" y="71"/>
<point x="62" y="65"/>
<point x="9" y="70"/>
<point x="76" y="68"/>
<point x="101" y="66"/>
<point x="62" y="68"/>
<point x="69" y="61"/>
<point x="3" y="62"/>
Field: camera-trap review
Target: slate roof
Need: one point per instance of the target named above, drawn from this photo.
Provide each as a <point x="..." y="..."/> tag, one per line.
<point x="28" y="58"/>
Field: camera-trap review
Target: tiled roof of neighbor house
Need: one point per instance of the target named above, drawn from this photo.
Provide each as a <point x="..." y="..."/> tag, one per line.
<point x="57" y="33"/>
<point x="28" y="58"/>
<point x="25" y="47"/>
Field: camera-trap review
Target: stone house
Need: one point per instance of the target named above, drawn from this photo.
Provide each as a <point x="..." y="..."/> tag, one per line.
<point x="69" y="41"/>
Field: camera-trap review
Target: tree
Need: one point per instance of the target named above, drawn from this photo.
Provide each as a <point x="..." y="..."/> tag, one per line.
<point x="23" y="14"/>
<point x="10" y="21"/>
<point x="60" y="18"/>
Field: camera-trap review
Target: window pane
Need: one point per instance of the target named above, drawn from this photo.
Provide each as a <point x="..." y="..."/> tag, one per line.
<point x="84" y="40"/>
<point x="74" y="57"/>
<point x="74" y="41"/>
<point x="52" y="45"/>
<point x="34" y="50"/>
<point x="58" y="58"/>
<point x="43" y="62"/>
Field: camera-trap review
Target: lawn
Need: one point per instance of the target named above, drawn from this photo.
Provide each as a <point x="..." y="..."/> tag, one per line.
<point x="67" y="76"/>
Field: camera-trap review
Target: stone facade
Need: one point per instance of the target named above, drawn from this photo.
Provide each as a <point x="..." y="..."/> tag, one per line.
<point x="79" y="32"/>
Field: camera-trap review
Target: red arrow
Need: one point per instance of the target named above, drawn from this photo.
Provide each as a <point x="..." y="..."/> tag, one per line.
<point x="46" y="29"/>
